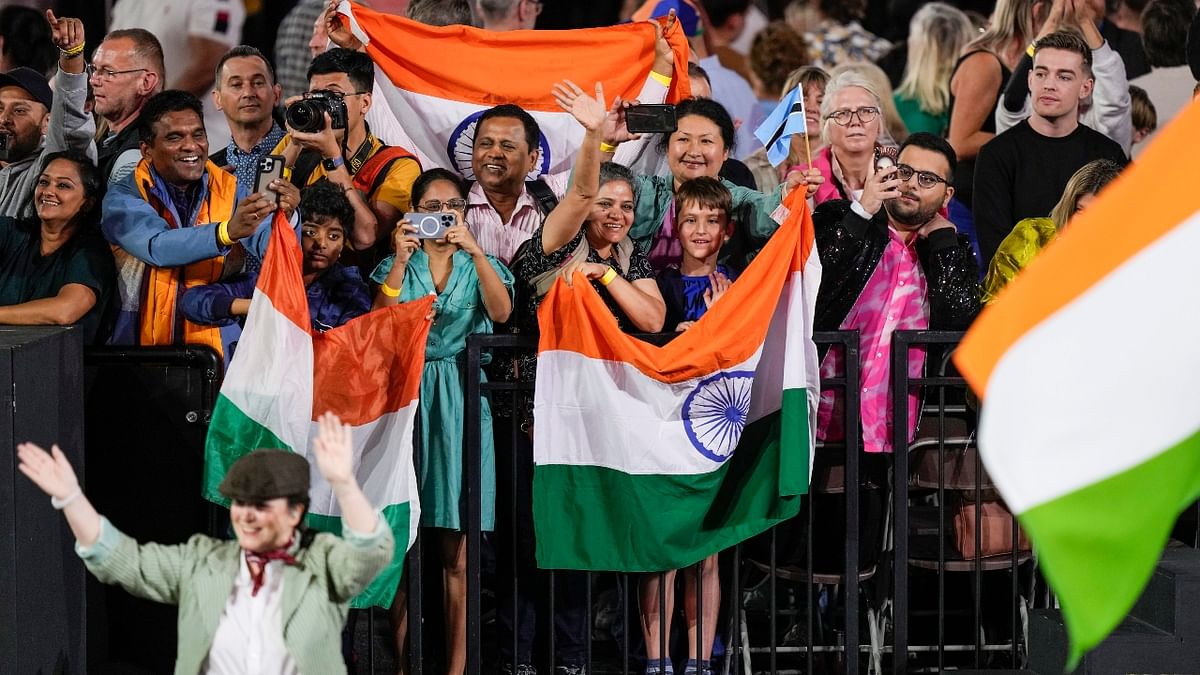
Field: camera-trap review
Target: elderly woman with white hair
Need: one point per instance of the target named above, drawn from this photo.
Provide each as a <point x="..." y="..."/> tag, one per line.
<point x="851" y="126"/>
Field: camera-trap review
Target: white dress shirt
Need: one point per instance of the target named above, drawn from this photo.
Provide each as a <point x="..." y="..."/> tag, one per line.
<point x="249" y="638"/>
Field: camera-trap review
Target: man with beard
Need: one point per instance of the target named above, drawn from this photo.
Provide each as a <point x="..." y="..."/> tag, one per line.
<point x="891" y="262"/>
<point x="35" y="122"/>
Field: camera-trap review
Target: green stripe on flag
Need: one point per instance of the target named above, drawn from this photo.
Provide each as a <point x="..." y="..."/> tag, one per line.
<point x="382" y="590"/>
<point x="601" y="519"/>
<point x="231" y="434"/>
<point x="1099" y="545"/>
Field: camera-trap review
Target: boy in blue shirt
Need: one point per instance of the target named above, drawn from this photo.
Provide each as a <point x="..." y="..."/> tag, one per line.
<point x="702" y="224"/>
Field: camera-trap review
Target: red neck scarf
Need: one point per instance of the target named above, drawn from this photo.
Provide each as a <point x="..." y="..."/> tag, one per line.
<point x="261" y="560"/>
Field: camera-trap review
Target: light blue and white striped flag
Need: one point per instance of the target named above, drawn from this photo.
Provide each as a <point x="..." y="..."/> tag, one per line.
<point x="786" y="120"/>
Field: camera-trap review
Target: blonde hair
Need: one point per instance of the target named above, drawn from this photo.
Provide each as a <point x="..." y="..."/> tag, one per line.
<point x="1012" y="20"/>
<point x="804" y="77"/>
<point x="1088" y="180"/>
<point x="936" y="35"/>
<point x="871" y="77"/>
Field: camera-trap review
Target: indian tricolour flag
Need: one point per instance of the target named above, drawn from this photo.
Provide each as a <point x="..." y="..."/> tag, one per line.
<point x="439" y="80"/>
<point x="1088" y="366"/>
<point x="283" y="376"/>
<point x="652" y="458"/>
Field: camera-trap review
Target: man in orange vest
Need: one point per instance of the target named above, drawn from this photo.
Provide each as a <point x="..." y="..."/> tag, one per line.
<point x="175" y="223"/>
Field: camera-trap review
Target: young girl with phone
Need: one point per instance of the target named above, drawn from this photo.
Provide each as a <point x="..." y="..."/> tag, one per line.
<point x="474" y="290"/>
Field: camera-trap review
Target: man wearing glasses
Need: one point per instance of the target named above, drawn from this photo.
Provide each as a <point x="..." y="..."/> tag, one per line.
<point x="891" y="262"/>
<point x="127" y="69"/>
<point x="30" y="112"/>
<point x="377" y="178"/>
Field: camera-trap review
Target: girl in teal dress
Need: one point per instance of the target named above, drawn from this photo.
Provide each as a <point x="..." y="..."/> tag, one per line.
<point x="473" y="291"/>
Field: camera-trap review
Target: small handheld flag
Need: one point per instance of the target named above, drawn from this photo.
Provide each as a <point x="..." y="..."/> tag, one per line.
<point x="785" y="121"/>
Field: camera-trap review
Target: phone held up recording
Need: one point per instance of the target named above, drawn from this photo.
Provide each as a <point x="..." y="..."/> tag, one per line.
<point x="430" y="225"/>
<point x="270" y="167"/>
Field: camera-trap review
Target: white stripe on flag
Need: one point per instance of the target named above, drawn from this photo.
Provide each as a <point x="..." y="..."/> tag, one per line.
<point x="268" y="389"/>
<point x="431" y="122"/>
<point x="608" y="413"/>
<point x="1095" y="432"/>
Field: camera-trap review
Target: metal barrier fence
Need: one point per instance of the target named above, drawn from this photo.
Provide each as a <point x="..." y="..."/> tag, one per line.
<point x="832" y="590"/>
<point x="779" y="576"/>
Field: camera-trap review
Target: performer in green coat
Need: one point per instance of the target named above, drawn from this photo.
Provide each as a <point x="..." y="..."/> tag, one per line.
<point x="274" y="600"/>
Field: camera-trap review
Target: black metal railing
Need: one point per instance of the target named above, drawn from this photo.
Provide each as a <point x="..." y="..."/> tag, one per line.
<point x="950" y="439"/>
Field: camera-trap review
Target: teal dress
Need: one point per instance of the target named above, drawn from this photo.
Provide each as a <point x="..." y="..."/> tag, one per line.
<point x="460" y="312"/>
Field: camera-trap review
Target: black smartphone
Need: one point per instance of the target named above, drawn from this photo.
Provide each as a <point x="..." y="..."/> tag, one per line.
<point x="658" y="118"/>
<point x="430" y="225"/>
<point x="270" y="167"/>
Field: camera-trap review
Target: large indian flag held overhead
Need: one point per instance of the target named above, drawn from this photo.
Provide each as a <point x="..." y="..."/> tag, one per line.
<point x="283" y="377"/>
<point x="439" y="80"/>
<point x="1088" y="365"/>
<point x="652" y="458"/>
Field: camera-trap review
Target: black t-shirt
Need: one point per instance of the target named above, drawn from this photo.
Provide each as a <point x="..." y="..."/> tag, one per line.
<point x="1021" y="174"/>
<point x="26" y="275"/>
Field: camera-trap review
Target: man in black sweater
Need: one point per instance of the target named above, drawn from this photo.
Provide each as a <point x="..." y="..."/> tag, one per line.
<point x="1021" y="173"/>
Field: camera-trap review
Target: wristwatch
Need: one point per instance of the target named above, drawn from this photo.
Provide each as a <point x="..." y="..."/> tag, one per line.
<point x="331" y="165"/>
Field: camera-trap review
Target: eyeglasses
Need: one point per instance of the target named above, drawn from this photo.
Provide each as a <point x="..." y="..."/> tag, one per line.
<point x="842" y="117"/>
<point x="925" y="179"/>
<point x="433" y="205"/>
<point x="108" y="74"/>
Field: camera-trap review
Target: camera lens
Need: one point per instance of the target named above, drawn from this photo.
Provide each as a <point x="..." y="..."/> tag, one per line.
<point x="306" y="116"/>
<point x="428" y="226"/>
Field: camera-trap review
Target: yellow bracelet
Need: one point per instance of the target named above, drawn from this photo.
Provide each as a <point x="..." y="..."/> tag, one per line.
<point x="608" y="277"/>
<point x="73" y="51"/>
<point x="605" y="147"/>
<point x="1030" y="49"/>
<point x="388" y="290"/>
<point x="287" y="173"/>
<point x="664" y="80"/>
<point x="223" y="233"/>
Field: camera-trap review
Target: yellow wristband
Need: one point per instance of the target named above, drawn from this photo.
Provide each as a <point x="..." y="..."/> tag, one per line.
<point x="605" y="147"/>
<point x="608" y="277"/>
<point x="1030" y="49"/>
<point x="73" y="51"/>
<point x="664" y="80"/>
<point x="388" y="290"/>
<point x="287" y="173"/>
<point x="223" y="233"/>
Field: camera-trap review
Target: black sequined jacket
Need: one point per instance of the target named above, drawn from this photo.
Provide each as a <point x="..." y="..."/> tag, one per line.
<point x="851" y="247"/>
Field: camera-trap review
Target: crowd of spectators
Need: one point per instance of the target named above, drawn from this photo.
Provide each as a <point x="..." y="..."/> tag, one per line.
<point x="130" y="201"/>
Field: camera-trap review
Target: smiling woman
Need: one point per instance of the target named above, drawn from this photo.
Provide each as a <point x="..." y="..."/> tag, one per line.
<point x="56" y="268"/>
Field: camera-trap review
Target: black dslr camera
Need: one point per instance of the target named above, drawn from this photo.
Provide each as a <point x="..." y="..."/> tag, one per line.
<point x="308" y="114"/>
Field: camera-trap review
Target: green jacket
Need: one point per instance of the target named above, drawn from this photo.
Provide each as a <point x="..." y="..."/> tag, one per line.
<point x="751" y="208"/>
<point x="198" y="576"/>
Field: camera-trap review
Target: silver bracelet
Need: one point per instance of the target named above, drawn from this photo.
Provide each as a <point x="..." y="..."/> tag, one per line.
<point x="60" y="504"/>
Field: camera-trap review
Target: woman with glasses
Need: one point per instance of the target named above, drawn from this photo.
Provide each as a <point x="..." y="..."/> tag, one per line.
<point x="474" y="291"/>
<point x="851" y="115"/>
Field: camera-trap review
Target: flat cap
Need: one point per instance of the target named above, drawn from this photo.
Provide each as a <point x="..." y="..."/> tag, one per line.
<point x="266" y="474"/>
